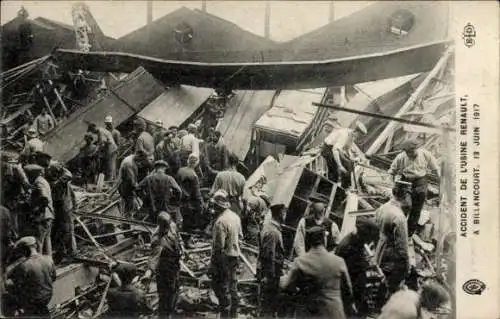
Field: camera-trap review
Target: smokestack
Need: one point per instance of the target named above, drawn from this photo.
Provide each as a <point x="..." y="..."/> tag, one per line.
<point x="267" y="22"/>
<point x="204" y="5"/>
<point x="332" y="11"/>
<point x="150" y="11"/>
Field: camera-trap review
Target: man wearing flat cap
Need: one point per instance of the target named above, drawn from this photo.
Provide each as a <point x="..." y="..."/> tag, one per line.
<point x="145" y="142"/>
<point x="322" y="278"/>
<point x="88" y="159"/>
<point x="226" y="235"/>
<point x="33" y="144"/>
<point x="108" y="124"/>
<point x="107" y="150"/>
<point x="413" y="165"/>
<point x="189" y="143"/>
<point x="42" y="210"/>
<point x="30" y="281"/>
<point x="391" y="253"/>
<point x="339" y="152"/>
<point x="159" y="191"/>
<point x="168" y="150"/>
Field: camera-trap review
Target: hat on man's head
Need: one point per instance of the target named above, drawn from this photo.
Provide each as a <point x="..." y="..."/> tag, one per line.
<point x="361" y="127"/>
<point x="159" y="122"/>
<point x="165" y="218"/>
<point x="108" y="119"/>
<point x="126" y="271"/>
<point x="410" y="144"/>
<point x="220" y="198"/>
<point x="27" y="241"/>
<point x="265" y="196"/>
<point x="33" y="169"/>
<point x="161" y="163"/>
<point x="192" y="128"/>
<point x="140" y="123"/>
<point x="31" y="132"/>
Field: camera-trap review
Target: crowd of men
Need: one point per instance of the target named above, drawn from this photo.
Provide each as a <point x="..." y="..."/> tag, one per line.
<point x="184" y="183"/>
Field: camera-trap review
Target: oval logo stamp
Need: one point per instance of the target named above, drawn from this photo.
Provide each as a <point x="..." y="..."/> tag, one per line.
<point x="474" y="286"/>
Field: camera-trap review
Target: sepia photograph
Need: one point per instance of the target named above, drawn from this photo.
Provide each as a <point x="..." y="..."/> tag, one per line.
<point x="249" y="159"/>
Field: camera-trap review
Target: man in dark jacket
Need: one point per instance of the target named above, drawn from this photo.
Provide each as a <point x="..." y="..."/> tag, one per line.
<point x="192" y="204"/>
<point x="270" y="261"/>
<point x="30" y="282"/>
<point x="145" y="142"/>
<point x="352" y="249"/>
<point x="127" y="301"/>
<point x="167" y="150"/>
<point x="157" y="190"/>
<point x="322" y="278"/>
<point x="166" y="264"/>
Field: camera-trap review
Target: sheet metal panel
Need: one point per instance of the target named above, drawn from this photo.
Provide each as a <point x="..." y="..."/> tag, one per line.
<point x="176" y="105"/>
<point x="121" y="102"/>
<point x="243" y="110"/>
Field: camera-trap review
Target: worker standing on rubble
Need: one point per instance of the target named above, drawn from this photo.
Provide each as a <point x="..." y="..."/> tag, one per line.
<point x="270" y="261"/>
<point x="107" y="150"/>
<point x="168" y="151"/>
<point x="167" y="264"/>
<point x="352" y="249"/>
<point x="30" y="281"/>
<point x="128" y="180"/>
<point x="145" y="142"/>
<point x="158" y="132"/>
<point x="338" y="151"/>
<point x="44" y="123"/>
<point x="217" y="155"/>
<point x="233" y="182"/>
<point x="42" y="211"/>
<point x="127" y="301"/>
<point x="412" y="166"/>
<point x="323" y="280"/>
<point x="225" y="253"/>
<point x="117" y="136"/>
<point x="192" y="203"/>
<point x="15" y="188"/>
<point x="87" y="160"/>
<point x="317" y="218"/>
<point x="157" y="191"/>
<point x="64" y="201"/>
<point x="33" y="145"/>
<point x="392" y="248"/>
<point x="253" y="217"/>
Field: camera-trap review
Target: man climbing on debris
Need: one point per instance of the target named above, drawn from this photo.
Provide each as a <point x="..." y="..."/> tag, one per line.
<point x="31" y="280"/>
<point x="392" y="248"/>
<point x="317" y="218"/>
<point x="32" y="146"/>
<point x="42" y="211"/>
<point x="352" y="249"/>
<point x="270" y="261"/>
<point x="168" y="151"/>
<point x="225" y="253"/>
<point x="129" y="177"/>
<point x="64" y="201"/>
<point x="412" y="165"/>
<point x="323" y="280"/>
<point x="233" y="182"/>
<point x="145" y="142"/>
<point x="107" y="150"/>
<point x="192" y="203"/>
<point x="44" y="123"/>
<point x="117" y="136"/>
<point x="88" y="160"/>
<point x="338" y="150"/>
<point x="166" y="264"/>
<point x="127" y="301"/>
<point x="158" y="190"/>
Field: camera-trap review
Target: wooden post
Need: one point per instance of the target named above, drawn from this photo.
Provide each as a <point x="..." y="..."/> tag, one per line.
<point x="349" y="221"/>
<point x="409" y="103"/>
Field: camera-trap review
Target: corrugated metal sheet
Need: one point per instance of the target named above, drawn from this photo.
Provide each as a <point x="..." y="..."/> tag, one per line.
<point x="292" y="112"/>
<point x="121" y="102"/>
<point x="243" y="110"/>
<point x="176" y="105"/>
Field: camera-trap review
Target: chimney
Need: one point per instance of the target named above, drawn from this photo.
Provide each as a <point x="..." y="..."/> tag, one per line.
<point x="204" y="5"/>
<point x="150" y="11"/>
<point x="332" y="11"/>
<point x="267" y="22"/>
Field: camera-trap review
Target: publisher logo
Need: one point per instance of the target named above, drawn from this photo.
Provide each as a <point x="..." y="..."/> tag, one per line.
<point x="474" y="287"/>
<point x="469" y="35"/>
